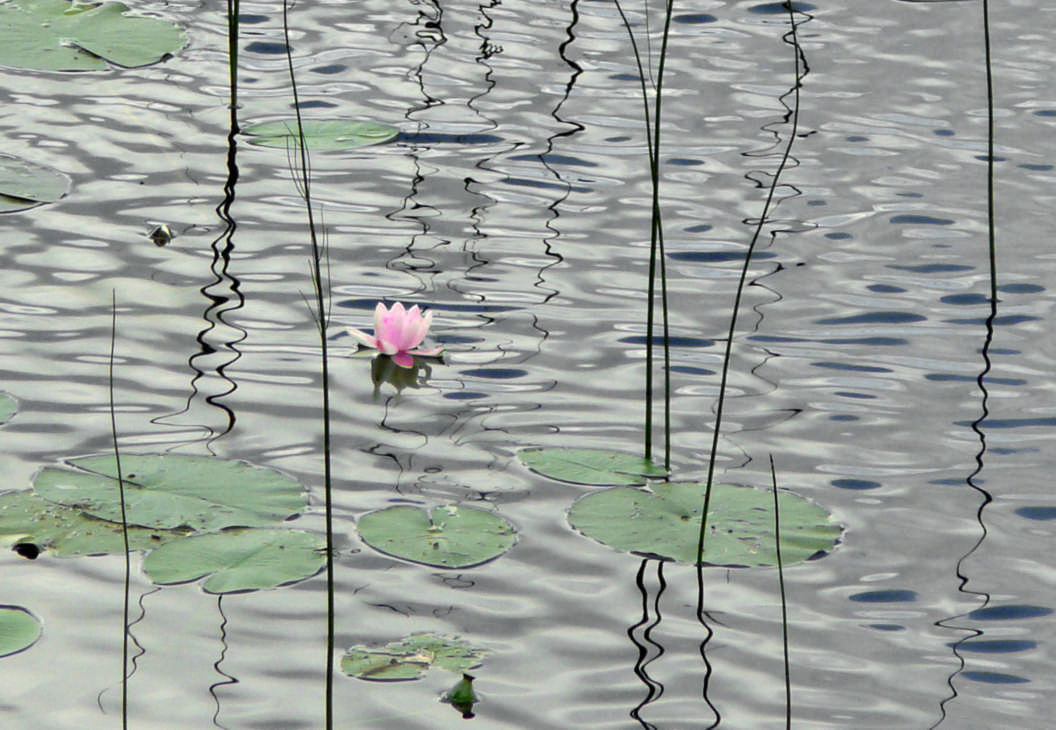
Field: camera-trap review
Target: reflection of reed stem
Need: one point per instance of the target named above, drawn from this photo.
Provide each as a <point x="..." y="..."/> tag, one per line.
<point x="321" y="318"/>
<point x="124" y="516"/>
<point x="784" y="603"/>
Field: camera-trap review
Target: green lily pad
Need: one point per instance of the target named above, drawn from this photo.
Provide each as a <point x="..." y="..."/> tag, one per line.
<point x="594" y="467"/>
<point x="24" y="184"/>
<point x="238" y="560"/>
<point x="166" y="491"/>
<point x="56" y="35"/>
<point x="447" y="537"/>
<point x="410" y="658"/>
<point x="320" y="134"/>
<point x="8" y="406"/>
<point x="19" y="630"/>
<point x="665" y="523"/>
<point x="33" y="524"/>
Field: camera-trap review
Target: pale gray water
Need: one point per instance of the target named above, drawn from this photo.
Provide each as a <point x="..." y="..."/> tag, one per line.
<point x="855" y="366"/>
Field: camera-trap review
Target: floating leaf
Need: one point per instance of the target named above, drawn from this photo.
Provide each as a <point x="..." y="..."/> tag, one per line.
<point x="448" y="537"/>
<point x="33" y="524"/>
<point x="165" y="491"/>
<point x="320" y="134"/>
<point x="665" y="522"/>
<point x="410" y="658"/>
<point x="238" y="560"/>
<point x="8" y="406"/>
<point x="24" y="184"/>
<point x="19" y="630"/>
<point x="594" y="467"/>
<point x="55" y="35"/>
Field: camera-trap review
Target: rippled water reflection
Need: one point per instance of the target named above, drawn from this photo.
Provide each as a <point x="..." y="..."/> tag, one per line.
<point x="514" y="203"/>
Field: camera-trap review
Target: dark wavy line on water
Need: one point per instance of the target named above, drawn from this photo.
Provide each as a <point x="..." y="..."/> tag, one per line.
<point x="791" y="118"/>
<point x="978" y="426"/>
<point x="228" y="679"/>
<point x="646" y="645"/>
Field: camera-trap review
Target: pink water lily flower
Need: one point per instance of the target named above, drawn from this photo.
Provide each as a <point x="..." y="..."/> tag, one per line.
<point x="397" y="332"/>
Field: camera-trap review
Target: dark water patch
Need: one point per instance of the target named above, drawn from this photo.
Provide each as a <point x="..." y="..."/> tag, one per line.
<point x="684" y="161"/>
<point x="995" y="646"/>
<point x="552" y="158"/>
<point x="464" y="395"/>
<point x="253" y="19"/>
<point x="859" y="396"/>
<point x="780" y="8"/>
<point x="316" y="105"/>
<point x="843" y="417"/>
<point x="857" y="138"/>
<point x="1021" y="288"/>
<point x="430" y="138"/>
<point x="694" y="18"/>
<point x="874" y="318"/>
<point x="1001" y="321"/>
<point x="838" y="236"/>
<point x="690" y="370"/>
<point x="943" y="132"/>
<point x="931" y="268"/>
<point x="925" y="220"/>
<point x="1008" y="613"/>
<point x="1045" y="113"/>
<point x="953" y="377"/>
<point x="370" y="304"/>
<point x="858" y="484"/>
<point x="885" y="289"/>
<point x="457" y="339"/>
<point x="894" y="595"/>
<point x="718" y="256"/>
<point x="267" y="48"/>
<point x="964" y="300"/>
<point x="1012" y="422"/>
<point x="871" y="341"/>
<point x="887" y="627"/>
<point x="985" y="158"/>
<point x="1037" y="513"/>
<point x="674" y="341"/>
<point x="495" y="373"/>
<point x="992" y="677"/>
<point x="333" y="68"/>
<point x="851" y="368"/>
<point x="776" y="338"/>
<point x="544" y="185"/>
<point x="625" y="77"/>
<point x="1037" y="168"/>
<point x="817" y="202"/>
<point x="698" y="229"/>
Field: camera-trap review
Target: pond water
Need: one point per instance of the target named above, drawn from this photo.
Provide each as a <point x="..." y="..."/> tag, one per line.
<point x="515" y="204"/>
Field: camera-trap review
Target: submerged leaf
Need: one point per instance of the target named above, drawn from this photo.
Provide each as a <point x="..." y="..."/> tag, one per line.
<point x="665" y="523"/>
<point x="56" y="35"/>
<point x="594" y="467"/>
<point x="410" y="658"/>
<point x="447" y="537"/>
<point x="19" y="630"/>
<point x="166" y="491"/>
<point x="320" y="134"/>
<point x="238" y="560"/>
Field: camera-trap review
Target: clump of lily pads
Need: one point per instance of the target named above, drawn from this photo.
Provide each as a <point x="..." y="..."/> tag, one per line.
<point x="411" y="657"/>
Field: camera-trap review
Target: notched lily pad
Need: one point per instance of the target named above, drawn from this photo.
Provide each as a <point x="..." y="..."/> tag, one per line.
<point x="166" y="491"/>
<point x="665" y="523"/>
<point x="446" y="537"/>
<point x="410" y="658"/>
<point x="32" y="524"/>
<point x="24" y="184"/>
<point x="19" y="630"/>
<point x="593" y="467"/>
<point x="320" y="134"/>
<point x="238" y="560"/>
<point x="56" y="35"/>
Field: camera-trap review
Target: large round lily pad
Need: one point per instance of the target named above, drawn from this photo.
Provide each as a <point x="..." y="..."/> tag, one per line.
<point x="410" y="658"/>
<point x="238" y="560"/>
<point x="320" y="134"/>
<point x="56" y="35"/>
<point x="19" y="630"/>
<point x="665" y="523"/>
<point x="24" y="184"/>
<point x="166" y="491"/>
<point x="33" y="524"/>
<point x="594" y="467"/>
<point x="446" y="537"/>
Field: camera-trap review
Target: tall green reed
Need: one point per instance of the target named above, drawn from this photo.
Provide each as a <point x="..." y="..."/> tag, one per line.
<point x="302" y="166"/>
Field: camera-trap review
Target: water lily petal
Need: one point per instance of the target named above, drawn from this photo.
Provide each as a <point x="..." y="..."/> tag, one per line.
<point x="429" y="352"/>
<point x="403" y="359"/>
<point x="363" y="337"/>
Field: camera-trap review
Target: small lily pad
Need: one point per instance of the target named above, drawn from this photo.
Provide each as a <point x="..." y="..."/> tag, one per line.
<point x="320" y="134"/>
<point x="446" y="537"/>
<point x="593" y="467"/>
<point x="32" y="525"/>
<point x="24" y="184"/>
<point x="8" y="406"/>
<point x="56" y="35"/>
<point x="19" y="630"/>
<point x="410" y="658"/>
<point x="665" y="523"/>
<point x="167" y="491"/>
<point x="238" y="560"/>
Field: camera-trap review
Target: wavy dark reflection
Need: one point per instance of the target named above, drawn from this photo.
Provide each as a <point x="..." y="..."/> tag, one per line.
<point x="227" y="678"/>
<point x="640" y="635"/>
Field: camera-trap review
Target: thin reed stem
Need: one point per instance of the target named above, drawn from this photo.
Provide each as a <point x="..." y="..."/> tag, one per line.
<point x="124" y="516"/>
<point x="322" y="318"/>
